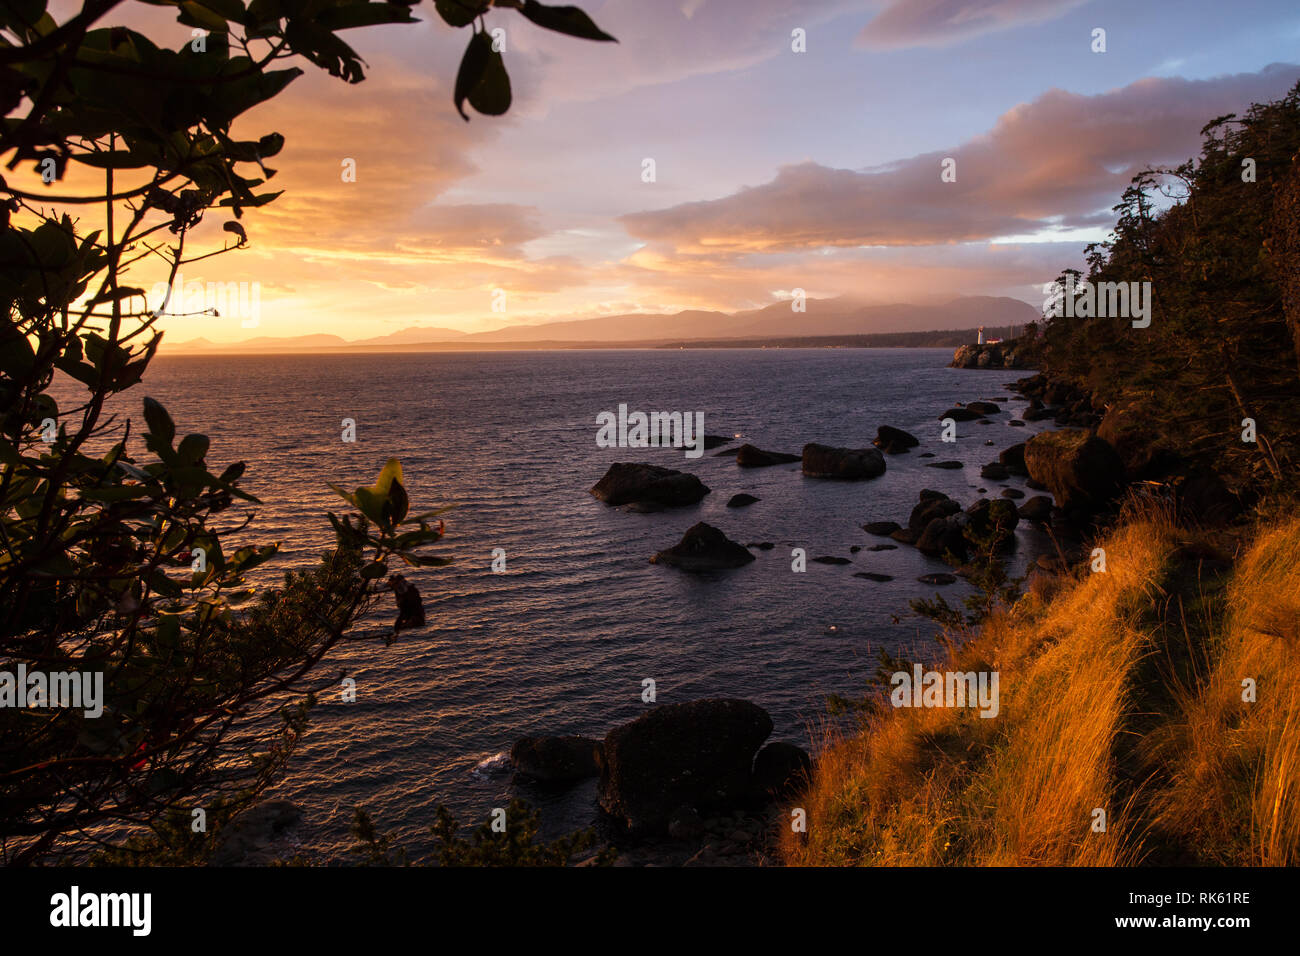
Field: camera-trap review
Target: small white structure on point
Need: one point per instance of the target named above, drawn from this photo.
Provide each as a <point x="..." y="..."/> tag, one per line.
<point x="980" y="339"/>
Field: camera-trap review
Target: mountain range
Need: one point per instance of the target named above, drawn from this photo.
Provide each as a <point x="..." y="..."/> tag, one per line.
<point x="823" y="317"/>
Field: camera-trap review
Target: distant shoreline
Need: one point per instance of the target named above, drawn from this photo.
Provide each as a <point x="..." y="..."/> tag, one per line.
<point x="937" y="339"/>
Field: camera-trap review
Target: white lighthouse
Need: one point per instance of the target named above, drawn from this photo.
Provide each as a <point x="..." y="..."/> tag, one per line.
<point x="980" y="338"/>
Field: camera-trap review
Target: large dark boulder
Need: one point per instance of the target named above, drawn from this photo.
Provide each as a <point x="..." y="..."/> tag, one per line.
<point x="747" y="456"/>
<point x="983" y="408"/>
<point x="1041" y="413"/>
<point x="942" y="537"/>
<point x="698" y="754"/>
<point x="847" y="464"/>
<point x="960" y="414"/>
<point x="1139" y="446"/>
<point x="704" y="548"/>
<point x="639" y="483"/>
<point x="556" y="759"/>
<point x="1014" y="459"/>
<point x="929" y="508"/>
<point x="894" y="441"/>
<point x="1037" y="508"/>
<point x="1082" y="472"/>
<point x="781" y="770"/>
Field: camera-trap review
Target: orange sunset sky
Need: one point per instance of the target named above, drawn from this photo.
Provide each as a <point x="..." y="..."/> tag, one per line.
<point x="774" y="169"/>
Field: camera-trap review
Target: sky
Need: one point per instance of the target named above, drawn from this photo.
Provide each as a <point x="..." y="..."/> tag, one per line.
<point x="774" y="169"/>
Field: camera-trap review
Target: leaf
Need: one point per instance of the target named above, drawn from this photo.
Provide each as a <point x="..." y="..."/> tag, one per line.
<point x="197" y="15"/>
<point x="363" y="14"/>
<point x="374" y="570"/>
<point x="459" y="13"/>
<point x="160" y="423"/>
<point x="570" y="20"/>
<point x="473" y="65"/>
<point x="192" y="449"/>
<point x="398" y="503"/>
<point x="392" y="472"/>
<point x="347" y="496"/>
<point x="492" y="96"/>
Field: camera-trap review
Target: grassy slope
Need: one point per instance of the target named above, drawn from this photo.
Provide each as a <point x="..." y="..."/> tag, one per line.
<point x="1122" y="691"/>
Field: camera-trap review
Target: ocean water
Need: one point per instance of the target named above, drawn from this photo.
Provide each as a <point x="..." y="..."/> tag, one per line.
<point x="561" y="642"/>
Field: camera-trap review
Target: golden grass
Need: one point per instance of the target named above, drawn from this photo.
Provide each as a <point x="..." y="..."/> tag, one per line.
<point x="1123" y="692"/>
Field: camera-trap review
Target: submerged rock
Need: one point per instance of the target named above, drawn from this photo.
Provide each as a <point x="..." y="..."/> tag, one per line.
<point x="938" y="579"/>
<point x="741" y="500"/>
<point x="556" y="759"/>
<point x="882" y="528"/>
<point x="747" y="456"/>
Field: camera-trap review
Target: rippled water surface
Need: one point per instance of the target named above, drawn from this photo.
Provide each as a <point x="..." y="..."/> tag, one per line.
<point x="561" y="642"/>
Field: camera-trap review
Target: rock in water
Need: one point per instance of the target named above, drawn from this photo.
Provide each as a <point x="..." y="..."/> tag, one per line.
<point x="882" y="528"/>
<point x="1037" y="508"/>
<point x="747" y="456"/>
<point x="845" y="464"/>
<point x="932" y="505"/>
<point x="741" y="500"/>
<point x="556" y="759"/>
<point x="894" y="441"/>
<point x="939" y="579"/>
<point x="941" y="537"/>
<point x="959" y="414"/>
<point x="1014" y="459"/>
<point x="629" y="482"/>
<point x="1082" y="473"/>
<point x="703" y="548"/>
<point x="697" y="754"/>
